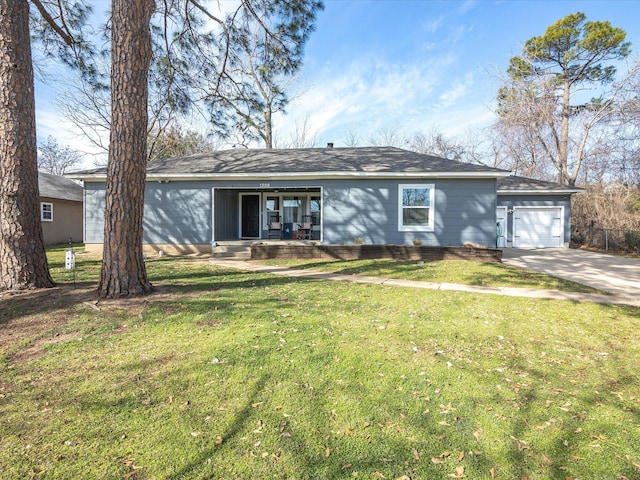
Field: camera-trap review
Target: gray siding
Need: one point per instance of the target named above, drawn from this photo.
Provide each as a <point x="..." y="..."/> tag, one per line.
<point x="174" y="213"/>
<point x="226" y="214"/>
<point x="177" y="213"/>
<point x="180" y="212"/>
<point x="511" y="201"/>
<point x="464" y="212"/>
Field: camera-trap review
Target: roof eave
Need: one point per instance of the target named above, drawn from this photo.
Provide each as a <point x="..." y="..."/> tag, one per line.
<point x="95" y="177"/>
<point x="539" y="192"/>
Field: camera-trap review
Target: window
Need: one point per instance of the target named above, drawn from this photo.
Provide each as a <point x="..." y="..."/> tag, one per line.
<point x="415" y="208"/>
<point x="273" y="204"/>
<point x="46" y="212"/>
<point x="314" y="209"/>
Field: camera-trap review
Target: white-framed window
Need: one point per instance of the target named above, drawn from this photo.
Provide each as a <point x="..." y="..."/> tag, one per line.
<point x="46" y="212"/>
<point x="415" y="208"/>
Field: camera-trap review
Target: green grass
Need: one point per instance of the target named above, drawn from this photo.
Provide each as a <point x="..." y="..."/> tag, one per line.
<point x="235" y="375"/>
<point x="489" y="274"/>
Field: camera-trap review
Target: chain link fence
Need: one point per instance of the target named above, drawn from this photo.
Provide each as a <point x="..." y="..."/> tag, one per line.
<point x="606" y="238"/>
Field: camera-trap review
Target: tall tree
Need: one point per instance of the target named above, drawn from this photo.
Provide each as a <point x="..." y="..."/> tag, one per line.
<point x="123" y="269"/>
<point x="23" y="262"/>
<point x="265" y="47"/>
<point x="541" y="92"/>
<point x="231" y="69"/>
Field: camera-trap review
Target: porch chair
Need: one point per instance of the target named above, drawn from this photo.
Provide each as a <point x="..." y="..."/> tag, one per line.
<point x="275" y="227"/>
<point x="304" y="228"/>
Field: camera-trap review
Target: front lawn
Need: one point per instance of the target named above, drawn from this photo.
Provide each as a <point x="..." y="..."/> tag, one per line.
<point x="235" y="375"/>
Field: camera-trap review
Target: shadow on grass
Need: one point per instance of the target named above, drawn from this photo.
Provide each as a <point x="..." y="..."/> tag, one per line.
<point x="567" y="418"/>
<point x="452" y="271"/>
<point x="241" y="417"/>
<point x="30" y="315"/>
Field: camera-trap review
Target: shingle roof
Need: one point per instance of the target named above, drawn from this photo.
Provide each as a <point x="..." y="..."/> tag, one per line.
<point x="374" y="161"/>
<point x="54" y="186"/>
<point x="521" y="185"/>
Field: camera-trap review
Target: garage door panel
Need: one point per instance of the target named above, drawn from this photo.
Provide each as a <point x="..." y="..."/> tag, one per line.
<point x="537" y="227"/>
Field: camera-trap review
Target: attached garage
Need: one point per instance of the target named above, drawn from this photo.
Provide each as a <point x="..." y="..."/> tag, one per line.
<point x="533" y="213"/>
<point x="538" y="227"/>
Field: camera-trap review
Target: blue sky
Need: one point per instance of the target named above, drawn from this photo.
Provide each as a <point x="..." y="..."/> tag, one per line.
<point x="414" y="65"/>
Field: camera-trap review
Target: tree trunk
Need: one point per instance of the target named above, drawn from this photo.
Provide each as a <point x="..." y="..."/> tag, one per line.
<point x="563" y="150"/>
<point x="123" y="269"/>
<point x="23" y="261"/>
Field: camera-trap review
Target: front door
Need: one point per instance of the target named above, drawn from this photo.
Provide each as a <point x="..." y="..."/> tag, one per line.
<point x="250" y="215"/>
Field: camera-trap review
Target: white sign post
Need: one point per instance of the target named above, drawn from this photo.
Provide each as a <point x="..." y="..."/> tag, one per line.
<point x="70" y="263"/>
<point x="70" y="259"/>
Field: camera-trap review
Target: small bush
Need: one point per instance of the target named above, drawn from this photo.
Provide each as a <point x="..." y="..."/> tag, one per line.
<point x="632" y="240"/>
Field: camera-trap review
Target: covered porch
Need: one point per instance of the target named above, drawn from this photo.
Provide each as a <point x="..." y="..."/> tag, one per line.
<point x="267" y="214"/>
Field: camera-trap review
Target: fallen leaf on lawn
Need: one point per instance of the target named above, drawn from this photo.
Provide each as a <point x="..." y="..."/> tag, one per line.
<point x="257" y="404"/>
<point x="327" y="452"/>
<point x="437" y="461"/>
<point x="366" y="425"/>
<point x="493" y="473"/>
<point x="416" y="455"/>
<point x="196" y="434"/>
<point x="444" y="424"/>
<point x="265" y="454"/>
<point x="476" y="434"/>
<point x="547" y="460"/>
<point x="131" y="475"/>
<point x="260" y="427"/>
<point x="346" y="466"/>
<point x="276" y="456"/>
<point x="348" y="431"/>
<point x="461" y="456"/>
<point x="521" y="444"/>
<point x="378" y="475"/>
<point x="459" y="473"/>
<point x="218" y="441"/>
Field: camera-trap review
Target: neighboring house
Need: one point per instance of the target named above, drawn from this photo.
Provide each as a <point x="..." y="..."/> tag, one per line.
<point x="60" y="209"/>
<point x="533" y="213"/>
<point x="382" y="195"/>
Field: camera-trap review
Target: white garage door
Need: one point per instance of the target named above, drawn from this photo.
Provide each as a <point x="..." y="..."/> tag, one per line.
<point x="538" y="227"/>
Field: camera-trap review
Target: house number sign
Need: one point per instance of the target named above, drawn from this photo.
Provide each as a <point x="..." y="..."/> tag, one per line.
<point x="265" y="185"/>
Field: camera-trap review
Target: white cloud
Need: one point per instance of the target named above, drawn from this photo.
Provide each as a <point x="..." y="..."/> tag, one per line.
<point x="458" y="90"/>
<point x="371" y="95"/>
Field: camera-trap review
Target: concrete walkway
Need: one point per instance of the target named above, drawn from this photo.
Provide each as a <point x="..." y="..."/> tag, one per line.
<point x="507" y="291"/>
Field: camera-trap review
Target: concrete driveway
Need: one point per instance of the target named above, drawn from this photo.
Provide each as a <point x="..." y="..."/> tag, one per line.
<point x="614" y="274"/>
